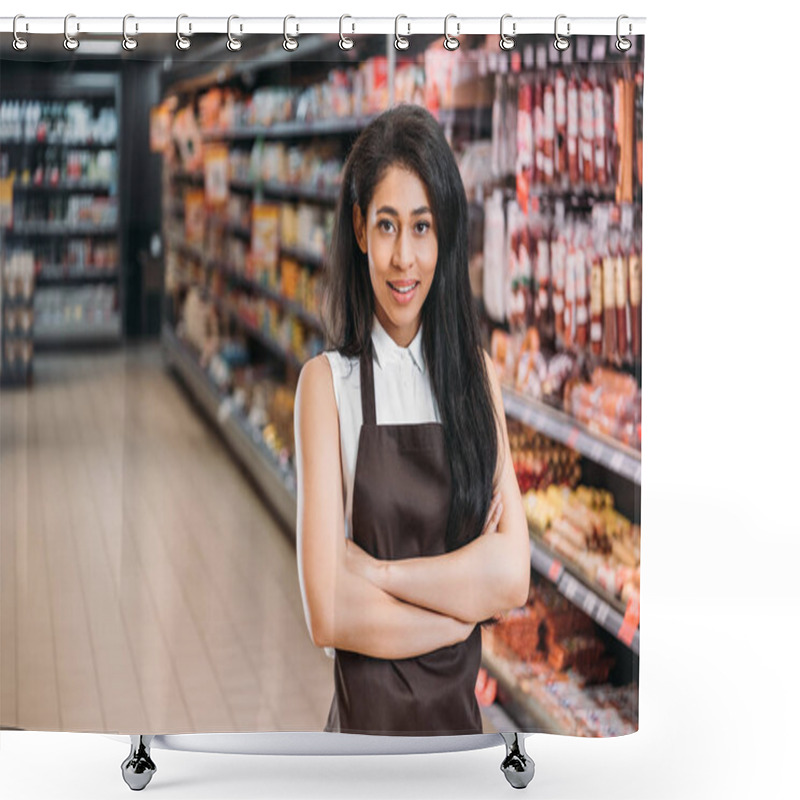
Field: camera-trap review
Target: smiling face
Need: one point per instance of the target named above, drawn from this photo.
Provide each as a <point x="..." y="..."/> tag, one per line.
<point x="399" y="237"/>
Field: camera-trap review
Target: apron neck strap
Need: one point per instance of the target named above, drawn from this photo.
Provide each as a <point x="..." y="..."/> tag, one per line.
<point x="367" y="387"/>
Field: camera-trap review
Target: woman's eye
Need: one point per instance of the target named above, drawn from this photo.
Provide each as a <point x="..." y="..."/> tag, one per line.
<point x="387" y="225"/>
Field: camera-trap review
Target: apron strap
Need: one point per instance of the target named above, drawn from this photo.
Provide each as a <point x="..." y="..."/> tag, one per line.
<point x="367" y="387"/>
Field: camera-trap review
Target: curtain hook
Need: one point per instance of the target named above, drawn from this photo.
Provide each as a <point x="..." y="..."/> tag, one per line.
<point x="127" y="42"/>
<point x="233" y="43"/>
<point x="19" y="43"/>
<point x="182" y="43"/>
<point x="344" y="42"/>
<point x="70" y="42"/>
<point x="400" y="42"/>
<point x="507" y="42"/>
<point x="450" y="42"/>
<point x="623" y="44"/>
<point x="288" y="42"/>
<point x="561" y="43"/>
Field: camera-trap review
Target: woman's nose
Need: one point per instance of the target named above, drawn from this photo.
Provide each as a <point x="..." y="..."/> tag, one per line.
<point x="404" y="250"/>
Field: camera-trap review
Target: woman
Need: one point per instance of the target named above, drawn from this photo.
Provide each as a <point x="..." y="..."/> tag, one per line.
<point x="410" y="527"/>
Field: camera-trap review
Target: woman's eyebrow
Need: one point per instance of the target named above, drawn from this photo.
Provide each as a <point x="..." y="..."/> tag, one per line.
<point x="416" y="212"/>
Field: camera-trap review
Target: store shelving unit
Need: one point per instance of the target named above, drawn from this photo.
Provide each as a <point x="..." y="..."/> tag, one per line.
<point x="277" y="484"/>
<point x="294" y="130"/>
<point x="563" y="428"/>
<point x="522" y="708"/>
<point x="606" y="610"/>
<point x="294" y="308"/>
<point x="102" y="91"/>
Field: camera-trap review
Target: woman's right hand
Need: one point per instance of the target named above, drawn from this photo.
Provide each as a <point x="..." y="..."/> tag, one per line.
<point x="494" y="515"/>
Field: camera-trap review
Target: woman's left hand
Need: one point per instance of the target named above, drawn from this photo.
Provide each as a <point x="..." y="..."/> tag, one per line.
<point x="360" y="562"/>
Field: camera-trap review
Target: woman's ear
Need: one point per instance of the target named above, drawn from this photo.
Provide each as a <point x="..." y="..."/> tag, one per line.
<point x="358" y="227"/>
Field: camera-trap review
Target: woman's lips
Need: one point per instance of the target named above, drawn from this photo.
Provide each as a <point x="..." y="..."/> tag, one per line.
<point x="403" y="297"/>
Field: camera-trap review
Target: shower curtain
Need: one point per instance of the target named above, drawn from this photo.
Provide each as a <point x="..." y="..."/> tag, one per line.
<point x="166" y="223"/>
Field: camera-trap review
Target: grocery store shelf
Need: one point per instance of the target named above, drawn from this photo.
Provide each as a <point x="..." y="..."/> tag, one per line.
<point x="195" y="176"/>
<point x="277" y="485"/>
<point x="72" y="279"/>
<point x="605" y="610"/>
<point x="287" y="191"/>
<point x="291" y="306"/>
<point x="294" y="308"/>
<point x="60" y="229"/>
<point x="273" y="346"/>
<point x="78" y="332"/>
<point x="64" y="186"/>
<point x="306" y="256"/>
<point x="561" y="427"/>
<point x="522" y="708"/>
<point x="85" y="145"/>
<point x="293" y="128"/>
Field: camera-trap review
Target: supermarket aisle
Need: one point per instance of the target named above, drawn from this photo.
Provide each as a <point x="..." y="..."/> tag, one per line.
<point x="145" y="586"/>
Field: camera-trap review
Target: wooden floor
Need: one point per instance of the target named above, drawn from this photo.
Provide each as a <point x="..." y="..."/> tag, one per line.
<point x="144" y="584"/>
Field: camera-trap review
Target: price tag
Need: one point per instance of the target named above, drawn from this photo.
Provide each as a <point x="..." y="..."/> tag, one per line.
<point x="224" y="410"/>
<point x="630" y="622"/>
<point x="572" y="439"/>
<point x="590" y="602"/>
<point x="616" y="462"/>
<point x="554" y="573"/>
<point x="570" y="587"/>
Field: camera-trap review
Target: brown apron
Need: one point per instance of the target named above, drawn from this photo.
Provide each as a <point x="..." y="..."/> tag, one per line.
<point x="401" y="503"/>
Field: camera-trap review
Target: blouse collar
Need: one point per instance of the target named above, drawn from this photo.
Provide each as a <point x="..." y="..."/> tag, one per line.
<point x="388" y="351"/>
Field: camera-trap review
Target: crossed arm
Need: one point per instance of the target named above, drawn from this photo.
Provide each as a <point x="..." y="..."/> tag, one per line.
<point x="393" y="609"/>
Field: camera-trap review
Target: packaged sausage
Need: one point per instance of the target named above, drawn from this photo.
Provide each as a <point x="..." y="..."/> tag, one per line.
<point x="573" y="119"/>
<point x="609" y="311"/>
<point x="596" y="305"/>
<point x="558" y="251"/>
<point x="600" y="160"/>
<point x="635" y="289"/>
<point x="561" y="169"/>
<point x="621" y="303"/>
<point x="581" y="292"/>
<point x="587" y="132"/>
<point x="569" y="295"/>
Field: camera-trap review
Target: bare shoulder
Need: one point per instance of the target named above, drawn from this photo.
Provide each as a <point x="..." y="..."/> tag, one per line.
<point x="315" y="394"/>
<point x="316" y="372"/>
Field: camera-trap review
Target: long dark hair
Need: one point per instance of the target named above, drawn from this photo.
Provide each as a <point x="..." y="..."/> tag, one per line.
<point x="408" y="135"/>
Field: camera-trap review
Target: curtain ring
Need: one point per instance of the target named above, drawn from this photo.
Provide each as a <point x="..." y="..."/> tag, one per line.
<point x="233" y="43"/>
<point x="182" y="43"/>
<point x="623" y="44"/>
<point x="127" y="42"/>
<point x="400" y="42"/>
<point x="19" y="43"/>
<point x="344" y="42"/>
<point x="561" y="43"/>
<point x="507" y="42"/>
<point x="288" y="42"/>
<point x="70" y="42"/>
<point x="450" y="42"/>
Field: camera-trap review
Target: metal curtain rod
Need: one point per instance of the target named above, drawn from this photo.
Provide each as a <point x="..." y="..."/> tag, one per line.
<point x="452" y="25"/>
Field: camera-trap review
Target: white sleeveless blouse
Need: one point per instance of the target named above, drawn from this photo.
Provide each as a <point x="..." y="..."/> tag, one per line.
<point x="403" y="394"/>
